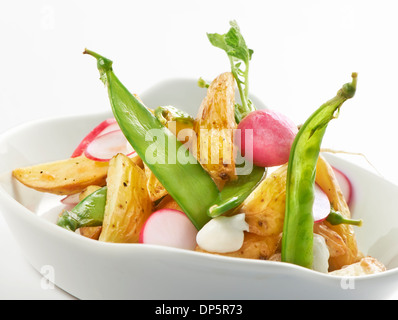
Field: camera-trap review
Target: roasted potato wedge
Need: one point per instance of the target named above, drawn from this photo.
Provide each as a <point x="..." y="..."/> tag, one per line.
<point x="340" y="239"/>
<point x="155" y="189"/>
<point x="168" y="203"/>
<point x="63" y="177"/>
<point x="265" y="206"/>
<point x="214" y="126"/>
<point x="89" y="190"/>
<point x="91" y="232"/>
<point x="128" y="204"/>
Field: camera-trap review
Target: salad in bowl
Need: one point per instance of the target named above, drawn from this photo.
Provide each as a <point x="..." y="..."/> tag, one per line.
<point x="232" y="181"/>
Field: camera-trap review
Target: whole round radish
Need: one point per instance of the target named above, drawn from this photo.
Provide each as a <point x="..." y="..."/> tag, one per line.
<point x="169" y="227"/>
<point x="265" y="137"/>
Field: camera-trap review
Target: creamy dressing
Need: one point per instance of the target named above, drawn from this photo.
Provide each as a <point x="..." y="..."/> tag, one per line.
<point x="321" y="254"/>
<point x="223" y="234"/>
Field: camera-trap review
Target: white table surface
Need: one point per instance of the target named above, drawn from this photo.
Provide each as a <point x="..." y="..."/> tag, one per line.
<point x="303" y="52"/>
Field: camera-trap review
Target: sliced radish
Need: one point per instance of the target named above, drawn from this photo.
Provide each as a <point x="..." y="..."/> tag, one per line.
<point x="107" y="145"/>
<point x="99" y="129"/>
<point x="345" y="185"/>
<point x="112" y="127"/>
<point x="71" y="200"/>
<point x="168" y="227"/>
<point x="321" y="206"/>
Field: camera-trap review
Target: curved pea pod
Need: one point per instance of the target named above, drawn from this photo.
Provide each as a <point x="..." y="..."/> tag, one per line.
<point x="176" y="121"/>
<point x="183" y="177"/>
<point x="63" y="177"/>
<point x="127" y="204"/>
<point x="265" y="206"/>
<point x="340" y="238"/>
<point x="214" y="126"/>
<point x="298" y="229"/>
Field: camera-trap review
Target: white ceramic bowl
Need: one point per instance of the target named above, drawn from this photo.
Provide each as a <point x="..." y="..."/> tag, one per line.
<point x="90" y="269"/>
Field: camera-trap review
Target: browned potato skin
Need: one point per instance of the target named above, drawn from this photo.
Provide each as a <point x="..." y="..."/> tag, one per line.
<point x="168" y="203"/>
<point x="128" y="205"/>
<point x="217" y="112"/>
<point x="63" y="177"/>
<point x="340" y="239"/>
<point x="91" y="232"/>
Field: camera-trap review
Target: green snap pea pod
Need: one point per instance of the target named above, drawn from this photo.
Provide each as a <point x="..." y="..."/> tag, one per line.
<point x="174" y="166"/>
<point x="236" y="191"/>
<point x="297" y="238"/>
<point x="335" y="218"/>
<point x="87" y="213"/>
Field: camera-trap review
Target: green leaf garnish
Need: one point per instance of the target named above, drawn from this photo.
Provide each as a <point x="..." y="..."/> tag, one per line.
<point x="235" y="46"/>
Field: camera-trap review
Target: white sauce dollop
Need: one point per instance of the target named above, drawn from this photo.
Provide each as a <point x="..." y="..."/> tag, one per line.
<point x="321" y="254"/>
<point x="223" y="234"/>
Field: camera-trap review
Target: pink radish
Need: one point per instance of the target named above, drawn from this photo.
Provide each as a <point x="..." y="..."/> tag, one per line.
<point x="321" y="206"/>
<point x="112" y="127"/>
<point x="107" y="145"/>
<point x="345" y="185"/>
<point x="269" y="137"/>
<point x="72" y="199"/>
<point x="99" y="129"/>
<point x="169" y="227"/>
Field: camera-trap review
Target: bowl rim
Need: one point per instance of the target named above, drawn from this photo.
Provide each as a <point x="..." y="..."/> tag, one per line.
<point x="77" y="239"/>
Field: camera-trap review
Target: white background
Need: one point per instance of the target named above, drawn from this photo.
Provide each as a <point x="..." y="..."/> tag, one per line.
<point x="303" y="52"/>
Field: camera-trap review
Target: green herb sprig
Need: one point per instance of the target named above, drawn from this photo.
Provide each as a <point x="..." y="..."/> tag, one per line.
<point x="235" y="46"/>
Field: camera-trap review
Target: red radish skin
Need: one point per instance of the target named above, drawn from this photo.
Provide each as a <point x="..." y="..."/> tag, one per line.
<point x="107" y="145"/>
<point x="112" y="127"/>
<point x="321" y="206"/>
<point x="269" y="140"/>
<point x="169" y="227"/>
<point x="345" y="185"/>
<point x="99" y="129"/>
